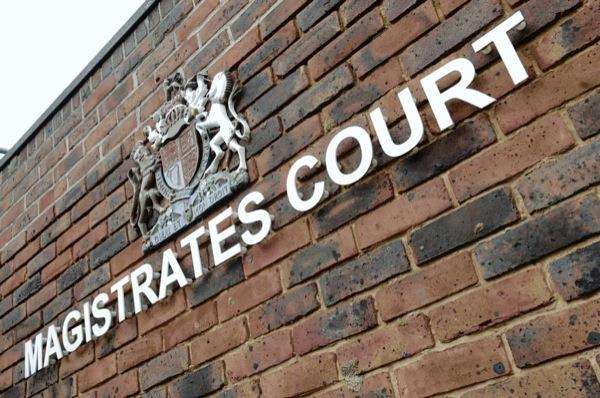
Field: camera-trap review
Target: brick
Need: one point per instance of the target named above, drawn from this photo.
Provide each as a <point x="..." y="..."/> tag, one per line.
<point x="437" y="281"/>
<point x="239" y="51"/>
<point x="283" y="310"/>
<point x="13" y="282"/>
<point x="190" y="324"/>
<point x="571" y="379"/>
<point x="140" y="350"/>
<point x="64" y="388"/>
<point x="259" y="355"/>
<point x="57" y="306"/>
<point x="248" y="294"/>
<point x="305" y="375"/>
<point x="249" y="389"/>
<point x="5" y="305"/>
<point x="382" y="80"/>
<point x="451" y="32"/>
<point x="121" y="386"/>
<point x="92" y="282"/>
<point x="544" y="138"/>
<point x="307" y="45"/>
<point x="42" y="379"/>
<point x="388" y="344"/>
<point x="199" y="382"/>
<point x="395" y="38"/>
<point x="72" y="274"/>
<point x="393" y="9"/>
<point x="214" y="282"/>
<point x="41" y="259"/>
<point x="218" y="341"/>
<point x="116" y="337"/>
<point x="289" y="144"/>
<point x="472" y="363"/>
<point x="345" y="44"/>
<point x="27" y="289"/>
<point x="253" y="89"/>
<point x="314" y="12"/>
<point x="163" y="367"/>
<point x="496" y="303"/>
<point x="177" y="57"/>
<point x="357" y="200"/>
<point x="449" y="6"/>
<point x="208" y="52"/>
<point x="567" y="81"/>
<point x="583" y="113"/>
<point x="318" y="256"/>
<point x="13" y="318"/>
<point x="364" y="272"/>
<point x="98" y="94"/>
<point x="554" y="335"/>
<point x="11" y="356"/>
<point x="350" y="10"/>
<point x="32" y="323"/>
<point x="569" y="36"/>
<point x="161" y="312"/>
<point x="45" y="295"/>
<point x="107" y="249"/>
<point x="223" y="14"/>
<point x="466" y="224"/>
<point x="96" y="373"/>
<point x="250" y="15"/>
<point x="195" y="18"/>
<point x="328" y="326"/>
<point x="281" y="13"/>
<point x="161" y="50"/>
<point x="90" y="240"/>
<point x="575" y="275"/>
<point x="404" y="212"/>
<point x="560" y="178"/>
<point x="56" y="267"/>
<point x="276" y="97"/>
<point x="13" y="246"/>
<point x="376" y="385"/>
<point x="71" y="235"/>
<point x="541" y="235"/>
<point x="263" y="135"/>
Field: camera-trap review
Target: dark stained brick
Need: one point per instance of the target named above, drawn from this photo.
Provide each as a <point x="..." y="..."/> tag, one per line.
<point x="28" y="289"/>
<point x="107" y="249"/>
<point x="316" y="10"/>
<point x="55" y="307"/>
<point x="216" y="281"/>
<point x="13" y="318"/>
<point x="207" y="53"/>
<point x="577" y="274"/>
<point x="250" y="15"/>
<point x="256" y="87"/>
<point x="163" y="367"/>
<point x="395" y="8"/>
<point x="73" y="274"/>
<point x="264" y="135"/>
<point x="92" y="282"/>
<point x="199" y="382"/>
<point x="466" y="224"/>
<point x="566" y="224"/>
<point x="584" y="115"/>
<point x="364" y="272"/>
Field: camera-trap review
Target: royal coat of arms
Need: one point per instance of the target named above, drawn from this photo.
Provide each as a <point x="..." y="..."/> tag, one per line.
<point x="182" y="168"/>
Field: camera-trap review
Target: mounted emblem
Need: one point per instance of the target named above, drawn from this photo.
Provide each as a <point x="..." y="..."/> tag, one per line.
<point x="182" y="168"/>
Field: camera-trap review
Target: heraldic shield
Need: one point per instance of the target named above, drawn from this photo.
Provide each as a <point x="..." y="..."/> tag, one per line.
<point x="182" y="167"/>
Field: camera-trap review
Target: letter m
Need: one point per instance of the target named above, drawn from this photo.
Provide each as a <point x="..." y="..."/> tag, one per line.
<point x="33" y="355"/>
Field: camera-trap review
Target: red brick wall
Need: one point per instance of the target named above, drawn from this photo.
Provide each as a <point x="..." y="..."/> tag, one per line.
<point x="471" y="265"/>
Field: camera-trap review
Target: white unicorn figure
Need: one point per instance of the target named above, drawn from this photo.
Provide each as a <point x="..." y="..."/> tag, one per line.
<point x="223" y="90"/>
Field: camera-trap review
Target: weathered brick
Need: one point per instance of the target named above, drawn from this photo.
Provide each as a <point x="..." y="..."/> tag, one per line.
<point x="392" y="9"/>
<point x="279" y="15"/>
<point x="250" y="15"/>
<point x="388" y="344"/>
<point x="99" y="93"/>
<point x="561" y="178"/>
<point x="161" y="312"/>
<point x="248" y="294"/>
<point x="195" y="18"/>
<point x="350" y="10"/>
<point x="277" y="96"/>
<point x="382" y="80"/>
<point x="71" y="274"/>
<point x="364" y="272"/>
<point x="404" y="212"/>
<point x="307" y="45"/>
<point x="289" y="143"/>
<point x="259" y="355"/>
<point x="27" y="289"/>
<point x="395" y="38"/>
<point x="313" y="12"/>
<point x="583" y="115"/>
<point x="460" y="26"/>
<point x="544" y="138"/>
<point x="569" y="36"/>
<point x="322" y="92"/>
<point x="223" y="14"/>
<point x="214" y="282"/>
<point x="199" y="382"/>
<point x="92" y="282"/>
<point x="375" y="385"/>
<point x="357" y="200"/>
<point x="163" y="367"/>
<point x="116" y="337"/>
<point x="283" y="310"/>
<point x="571" y="379"/>
<point x="13" y="282"/>
<point x="466" y="224"/>
<point x="576" y="274"/>
<point x="554" y="335"/>
<point x="32" y="323"/>
<point x="44" y="296"/>
<point x="539" y="236"/>
<point x="41" y="259"/>
<point x="96" y="373"/>
<point x="140" y="350"/>
<point x="496" y="303"/>
<point x="207" y="53"/>
<point x="239" y="51"/>
<point x="56" y="267"/>
<point x="90" y="240"/>
<point x="345" y="44"/>
<point x="253" y="89"/>
<point x="328" y="326"/>
<point x="319" y="256"/>
<point x="440" y="279"/>
<point x="107" y="249"/>
<point x="305" y="375"/>
<point x="190" y="324"/>
<point x="218" y="341"/>
<point x="567" y="81"/>
<point x="472" y="363"/>
<point x="121" y="386"/>
<point x="42" y="379"/>
<point x="250" y="389"/>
